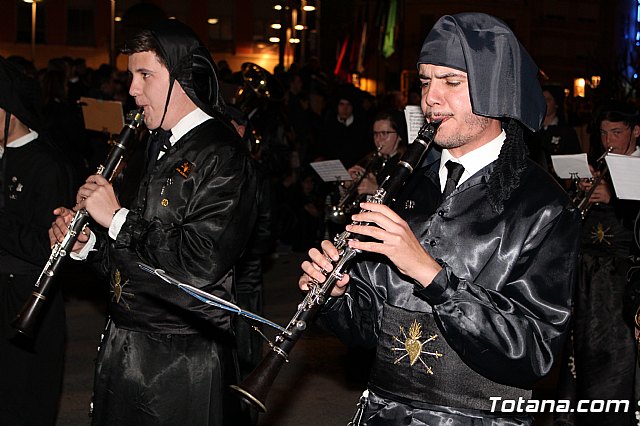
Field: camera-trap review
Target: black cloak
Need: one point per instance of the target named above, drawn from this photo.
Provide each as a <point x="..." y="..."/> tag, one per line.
<point x="20" y="96"/>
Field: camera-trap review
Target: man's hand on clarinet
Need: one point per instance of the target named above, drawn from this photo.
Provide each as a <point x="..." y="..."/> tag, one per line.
<point x="320" y="266"/>
<point x="60" y="226"/>
<point x="394" y="239"/>
<point x="98" y="198"/>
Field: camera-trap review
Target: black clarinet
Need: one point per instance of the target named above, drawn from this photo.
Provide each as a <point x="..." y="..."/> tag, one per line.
<point x="255" y="387"/>
<point x="27" y="320"/>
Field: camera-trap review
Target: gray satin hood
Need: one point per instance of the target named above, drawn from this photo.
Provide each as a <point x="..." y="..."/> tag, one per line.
<point x="502" y="76"/>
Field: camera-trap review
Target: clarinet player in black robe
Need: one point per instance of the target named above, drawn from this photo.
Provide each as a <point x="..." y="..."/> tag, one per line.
<point x="35" y="179"/>
<point x="464" y="287"/>
<point x="167" y="358"/>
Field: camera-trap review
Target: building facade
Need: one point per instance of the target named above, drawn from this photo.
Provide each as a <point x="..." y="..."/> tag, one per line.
<point x="567" y="38"/>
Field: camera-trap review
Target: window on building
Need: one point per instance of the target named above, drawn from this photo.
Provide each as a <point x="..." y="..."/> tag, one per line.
<point x="80" y="25"/>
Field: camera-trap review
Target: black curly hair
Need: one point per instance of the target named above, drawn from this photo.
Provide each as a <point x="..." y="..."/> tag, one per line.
<point x="509" y="167"/>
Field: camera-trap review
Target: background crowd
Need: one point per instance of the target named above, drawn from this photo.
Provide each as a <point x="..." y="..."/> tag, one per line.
<point x="305" y="115"/>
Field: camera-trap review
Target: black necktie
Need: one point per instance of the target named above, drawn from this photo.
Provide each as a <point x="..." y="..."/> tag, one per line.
<point x="160" y="142"/>
<point x="455" y="171"/>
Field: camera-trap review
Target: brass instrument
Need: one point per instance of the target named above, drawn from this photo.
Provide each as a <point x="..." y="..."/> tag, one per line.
<point x="255" y="387"/>
<point x="259" y="87"/>
<point x="349" y="200"/>
<point x="581" y="199"/>
<point x="258" y="84"/>
<point x="28" y="318"/>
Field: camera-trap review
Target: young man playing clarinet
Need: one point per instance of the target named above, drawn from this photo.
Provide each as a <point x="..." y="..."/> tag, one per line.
<point x="464" y="291"/>
<point x="167" y="358"/>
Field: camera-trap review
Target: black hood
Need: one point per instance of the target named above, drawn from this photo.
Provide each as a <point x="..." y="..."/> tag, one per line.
<point x="502" y="76"/>
<point x="189" y="63"/>
<point x="20" y="96"/>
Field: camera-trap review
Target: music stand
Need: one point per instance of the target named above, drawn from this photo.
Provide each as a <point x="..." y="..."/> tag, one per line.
<point x="331" y="171"/>
<point x="102" y="116"/>
<point x="573" y="166"/>
<point x="414" y="117"/>
<point x="625" y="174"/>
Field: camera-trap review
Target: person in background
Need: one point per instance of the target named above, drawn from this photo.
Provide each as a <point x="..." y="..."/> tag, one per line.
<point x="464" y="287"/>
<point x="345" y="135"/>
<point x="34" y="179"/>
<point x="631" y="308"/>
<point x="390" y="139"/>
<point x="64" y="123"/>
<point x="556" y="137"/>
<point x="166" y="357"/>
<point x="601" y="362"/>
<point x="249" y="282"/>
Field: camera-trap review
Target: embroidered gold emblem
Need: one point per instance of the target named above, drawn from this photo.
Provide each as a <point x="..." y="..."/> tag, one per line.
<point x="164" y="202"/>
<point x="412" y="347"/>
<point x="184" y="168"/>
<point x="599" y="234"/>
<point x="116" y="287"/>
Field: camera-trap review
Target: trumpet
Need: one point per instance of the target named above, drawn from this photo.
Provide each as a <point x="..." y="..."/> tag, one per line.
<point x="348" y="202"/>
<point x="27" y="319"/>
<point x="581" y="199"/>
<point x="255" y="387"/>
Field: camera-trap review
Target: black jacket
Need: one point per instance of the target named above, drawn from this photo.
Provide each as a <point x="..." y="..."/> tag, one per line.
<point x="499" y="309"/>
<point x="192" y="218"/>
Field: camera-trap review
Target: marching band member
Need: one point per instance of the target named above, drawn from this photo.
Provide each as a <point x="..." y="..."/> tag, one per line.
<point x="602" y="356"/>
<point x="465" y="291"/>
<point x="165" y="358"/>
<point x="390" y="138"/>
<point x="35" y="178"/>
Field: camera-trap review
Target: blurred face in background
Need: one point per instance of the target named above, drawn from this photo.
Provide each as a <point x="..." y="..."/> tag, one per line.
<point x="552" y="106"/>
<point x="619" y="136"/>
<point x="345" y="109"/>
<point x="385" y="137"/>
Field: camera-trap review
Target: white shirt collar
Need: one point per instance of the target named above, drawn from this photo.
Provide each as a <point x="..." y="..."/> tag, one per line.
<point x="472" y="161"/>
<point x="21" y="141"/>
<point x="348" y="122"/>
<point x="188" y="122"/>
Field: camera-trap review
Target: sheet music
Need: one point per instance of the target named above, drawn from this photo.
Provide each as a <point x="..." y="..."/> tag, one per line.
<point x="102" y="116"/>
<point x="415" y="119"/>
<point x="331" y="170"/>
<point x="571" y="166"/>
<point x="625" y="173"/>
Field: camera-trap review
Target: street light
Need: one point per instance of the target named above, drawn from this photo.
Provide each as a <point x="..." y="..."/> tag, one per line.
<point x="112" y="34"/>
<point x="292" y="29"/>
<point x="33" y="28"/>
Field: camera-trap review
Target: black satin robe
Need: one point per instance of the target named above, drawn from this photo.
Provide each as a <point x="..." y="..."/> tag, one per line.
<point x="600" y="361"/>
<point x="31" y="370"/>
<point x="500" y="307"/>
<point x="167" y="358"/>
